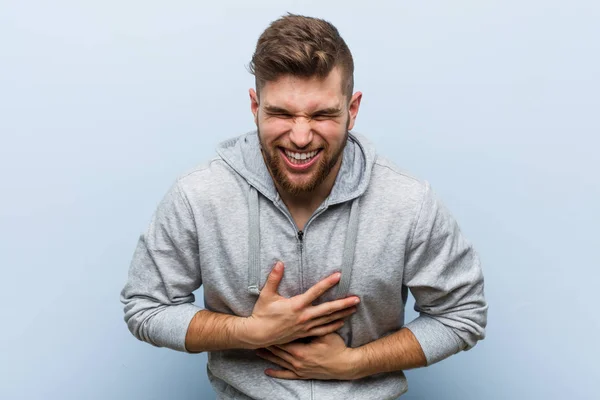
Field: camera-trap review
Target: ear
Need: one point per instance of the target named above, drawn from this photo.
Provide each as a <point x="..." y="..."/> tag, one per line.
<point x="254" y="104"/>
<point x="353" y="107"/>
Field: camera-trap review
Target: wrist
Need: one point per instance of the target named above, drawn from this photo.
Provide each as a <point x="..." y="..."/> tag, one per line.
<point x="246" y="333"/>
<point x="354" y="363"/>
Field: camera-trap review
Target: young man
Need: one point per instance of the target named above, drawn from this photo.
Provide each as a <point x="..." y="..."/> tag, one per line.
<point x="306" y="243"/>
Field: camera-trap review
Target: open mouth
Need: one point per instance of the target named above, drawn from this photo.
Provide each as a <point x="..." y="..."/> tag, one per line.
<point x="300" y="160"/>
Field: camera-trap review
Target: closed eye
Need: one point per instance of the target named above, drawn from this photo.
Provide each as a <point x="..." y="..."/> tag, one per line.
<point x="328" y="113"/>
<point x="281" y="115"/>
<point x="323" y="117"/>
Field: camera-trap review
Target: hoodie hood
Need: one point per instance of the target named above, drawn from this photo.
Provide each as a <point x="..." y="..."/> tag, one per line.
<point x="243" y="154"/>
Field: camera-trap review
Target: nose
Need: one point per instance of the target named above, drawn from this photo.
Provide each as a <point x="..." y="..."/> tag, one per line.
<point x="301" y="134"/>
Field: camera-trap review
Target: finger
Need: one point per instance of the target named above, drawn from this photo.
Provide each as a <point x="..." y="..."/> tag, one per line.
<point x="282" y="374"/>
<point x="325" y="329"/>
<point x="289" y="352"/>
<point x="331" y="317"/>
<point x="284" y="355"/>
<point x="315" y="291"/>
<point x="267" y="355"/>
<point x="273" y="279"/>
<point x="289" y="347"/>
<point x="331" y="307"/>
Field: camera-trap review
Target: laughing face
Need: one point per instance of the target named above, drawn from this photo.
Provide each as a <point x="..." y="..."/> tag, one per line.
<point x="303" y="126"/>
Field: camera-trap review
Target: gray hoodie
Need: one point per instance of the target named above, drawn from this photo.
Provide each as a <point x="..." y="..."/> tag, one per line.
<point x="223" y="226"/>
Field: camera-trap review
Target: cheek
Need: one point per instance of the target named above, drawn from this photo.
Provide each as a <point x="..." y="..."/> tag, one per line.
<point x="333" y="132"/>
<point x="332" y="125"/>
<point x="273" y="128"/>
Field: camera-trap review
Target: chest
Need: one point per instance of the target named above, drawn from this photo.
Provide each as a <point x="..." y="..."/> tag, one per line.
<point x="309" y="256"/>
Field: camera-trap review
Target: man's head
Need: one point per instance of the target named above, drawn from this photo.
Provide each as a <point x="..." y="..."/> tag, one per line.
<point x="303" y="47"/>
<point x="303" y="104"/>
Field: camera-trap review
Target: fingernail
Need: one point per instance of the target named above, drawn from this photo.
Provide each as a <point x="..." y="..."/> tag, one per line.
<point x="338" y="275"/>
<point x="356" y="301"/>
<point x="278" y="266"/>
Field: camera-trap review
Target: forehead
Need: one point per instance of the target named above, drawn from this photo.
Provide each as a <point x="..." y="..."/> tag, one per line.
<point x="298" y="94"/>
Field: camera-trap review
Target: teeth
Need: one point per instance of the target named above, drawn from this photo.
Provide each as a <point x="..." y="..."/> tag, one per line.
<point x="301" y="156"/>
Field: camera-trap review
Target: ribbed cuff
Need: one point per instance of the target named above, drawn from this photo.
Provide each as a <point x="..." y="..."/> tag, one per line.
<point x="169" y="327"/>
<point x="437" y="340"/>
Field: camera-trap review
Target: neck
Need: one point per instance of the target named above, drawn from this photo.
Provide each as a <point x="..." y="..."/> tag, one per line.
<point x="306" y="203"/>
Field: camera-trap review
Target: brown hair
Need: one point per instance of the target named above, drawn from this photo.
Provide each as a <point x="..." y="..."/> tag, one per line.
<point x="301" y="46"/>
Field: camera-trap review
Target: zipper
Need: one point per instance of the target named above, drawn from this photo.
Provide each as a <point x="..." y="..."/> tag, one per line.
<point x="301" y="250"/>
<point x="300" y="235"/>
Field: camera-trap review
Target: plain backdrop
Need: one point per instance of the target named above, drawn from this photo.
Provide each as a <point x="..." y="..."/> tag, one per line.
<point x="104" y="103"/>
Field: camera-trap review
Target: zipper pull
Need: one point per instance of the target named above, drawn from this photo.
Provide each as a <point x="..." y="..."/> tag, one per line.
<point x="300" y="235"/>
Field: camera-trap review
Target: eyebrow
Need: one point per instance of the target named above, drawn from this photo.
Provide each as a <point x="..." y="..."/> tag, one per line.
<point x="325" y="111"/>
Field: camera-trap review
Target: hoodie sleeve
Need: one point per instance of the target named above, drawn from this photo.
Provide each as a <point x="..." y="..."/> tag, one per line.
<point x="164" y="272"/>
<point x="444" y="275"/>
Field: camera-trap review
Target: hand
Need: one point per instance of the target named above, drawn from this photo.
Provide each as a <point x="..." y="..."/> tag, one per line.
<point x="325" y="357"/>
<point x="276" y="319"/>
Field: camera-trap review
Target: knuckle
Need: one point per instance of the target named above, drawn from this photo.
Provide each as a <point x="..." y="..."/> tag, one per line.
<point x="303" y="318"/>
<point x="295" y="353"/>
<point x="331" y="318"/>
<point x="343" y="304"/>
<point x="297" y="366"/>
<point x="296" y="308"/>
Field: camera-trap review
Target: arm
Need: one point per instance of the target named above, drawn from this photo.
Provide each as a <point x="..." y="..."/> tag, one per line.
<point x="164" y="272"/>
<point x="443" y="272"/>
<point x="395" y="352"/>
<point x="327" y="357"/>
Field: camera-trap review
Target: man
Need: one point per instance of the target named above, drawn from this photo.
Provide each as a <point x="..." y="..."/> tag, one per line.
<point x="306" y="243"/>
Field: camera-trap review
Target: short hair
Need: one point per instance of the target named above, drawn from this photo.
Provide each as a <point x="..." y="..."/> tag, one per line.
<point x="301" y="46"/>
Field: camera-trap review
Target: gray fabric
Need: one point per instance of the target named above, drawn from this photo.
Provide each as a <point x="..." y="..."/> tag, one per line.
<point x="399" y="237"/>
<point x="349" y="246"/>
<point x="254" y="247"/>
<point x="253" y="243"/>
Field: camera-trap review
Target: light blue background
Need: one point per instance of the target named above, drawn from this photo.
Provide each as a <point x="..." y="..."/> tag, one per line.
<point x="103" y="104"/>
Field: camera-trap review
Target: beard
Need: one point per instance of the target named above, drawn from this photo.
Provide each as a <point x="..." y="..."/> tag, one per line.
<point x="328" y="158"/>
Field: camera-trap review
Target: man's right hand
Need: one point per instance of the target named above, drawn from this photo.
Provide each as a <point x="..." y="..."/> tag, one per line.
<point x="276" y="319"/>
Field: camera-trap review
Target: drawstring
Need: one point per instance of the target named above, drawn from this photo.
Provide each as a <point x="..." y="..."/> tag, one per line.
<point x="253" y="243"/>
<point x="254" y="246"/>
<point x="348" y="256"/>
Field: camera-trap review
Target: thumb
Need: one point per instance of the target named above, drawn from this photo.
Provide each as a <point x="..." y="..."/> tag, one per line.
<point x="274" y="279"/>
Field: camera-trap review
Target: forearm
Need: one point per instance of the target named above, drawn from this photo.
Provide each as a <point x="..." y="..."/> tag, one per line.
<point x="398" y="351"/>
<point x="211" y="331"/>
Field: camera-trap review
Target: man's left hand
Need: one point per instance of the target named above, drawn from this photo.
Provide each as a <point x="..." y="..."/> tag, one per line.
<point x="325" y="357"/>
